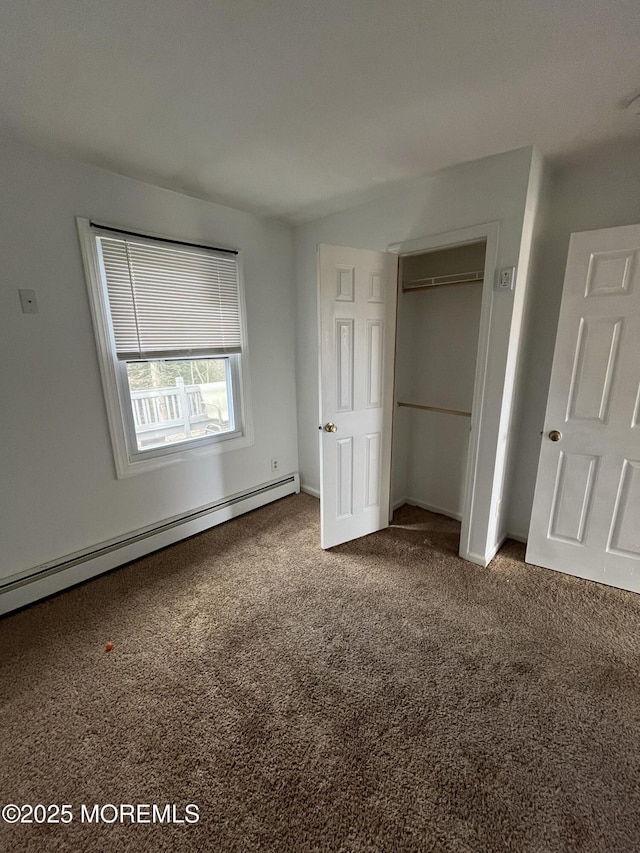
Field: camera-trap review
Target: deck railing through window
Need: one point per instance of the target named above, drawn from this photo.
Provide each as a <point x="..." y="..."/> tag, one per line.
<point x="165" y="412"/>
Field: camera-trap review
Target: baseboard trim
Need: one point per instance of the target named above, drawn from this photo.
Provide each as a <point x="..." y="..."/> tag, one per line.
<point x="496" y="548"/>
<point x="309" y="490"/>
<point x="484" y="559"/>
<point x="432" y="508"/>
<point x="477" y="559"/>
<point x="518" y="537"/>
<point x="49" y="578"/>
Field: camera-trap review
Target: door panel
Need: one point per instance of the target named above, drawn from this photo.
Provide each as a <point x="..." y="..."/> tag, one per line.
<point x="357" y="292"/>
<point x="610" y="273"/>
<point x="572" y="497"/>
<point x="375" y="352"/>
<point x="586" y="512"/>
<point x="344" y="477"/>
<point x="625" y="529"/>
<point x="372" y="471"/>
<point x="344" y="358"/>
<point x="635" y="420"/>
<point x="594" y="369"/>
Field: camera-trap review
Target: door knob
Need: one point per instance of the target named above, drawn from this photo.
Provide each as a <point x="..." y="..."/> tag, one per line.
<point x="555" y="435"/>
<point x="330" y="427"/>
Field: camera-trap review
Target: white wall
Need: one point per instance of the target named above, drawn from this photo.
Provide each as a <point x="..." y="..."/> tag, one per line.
<point x="601" y="191"/>
<point x="493" y="189"/>
<point x="59" y="491"/>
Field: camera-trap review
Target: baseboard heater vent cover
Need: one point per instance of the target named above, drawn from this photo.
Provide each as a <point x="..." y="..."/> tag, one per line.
<point x="196" y="521"/>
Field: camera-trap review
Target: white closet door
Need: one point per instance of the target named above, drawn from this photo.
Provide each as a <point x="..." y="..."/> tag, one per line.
<point x="357" y="308"/>
<point x="586" y="511"/>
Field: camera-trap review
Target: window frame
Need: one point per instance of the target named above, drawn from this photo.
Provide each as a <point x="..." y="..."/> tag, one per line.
<point x="128" y="459"/>
<point x="232" y="370"/>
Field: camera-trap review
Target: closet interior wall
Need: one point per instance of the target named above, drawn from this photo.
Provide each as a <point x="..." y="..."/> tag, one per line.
<point x="437" y="342"/>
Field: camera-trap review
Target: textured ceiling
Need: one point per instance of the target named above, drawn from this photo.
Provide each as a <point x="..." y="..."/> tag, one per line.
<point x="285" y="106"/>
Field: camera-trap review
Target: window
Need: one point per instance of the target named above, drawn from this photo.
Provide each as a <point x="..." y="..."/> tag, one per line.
<point x="170" y="331"/>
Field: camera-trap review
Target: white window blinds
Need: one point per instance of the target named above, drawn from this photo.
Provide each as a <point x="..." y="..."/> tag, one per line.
<point x="170" y="301"/>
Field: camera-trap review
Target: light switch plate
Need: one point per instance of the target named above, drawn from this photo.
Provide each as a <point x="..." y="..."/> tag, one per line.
<point x="506" y="278"/>
<point x="29" y="301"/>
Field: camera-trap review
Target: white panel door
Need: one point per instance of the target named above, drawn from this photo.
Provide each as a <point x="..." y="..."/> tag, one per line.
<point x="586" y="509"/>
<point x="357" y="292"/>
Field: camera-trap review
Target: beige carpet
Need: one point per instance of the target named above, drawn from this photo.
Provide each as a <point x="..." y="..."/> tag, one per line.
<point x="385" y="696"/>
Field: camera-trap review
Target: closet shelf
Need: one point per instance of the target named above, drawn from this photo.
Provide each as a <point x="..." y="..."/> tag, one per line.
<point x="436" y="409"/>
<point x="443" y="281"/>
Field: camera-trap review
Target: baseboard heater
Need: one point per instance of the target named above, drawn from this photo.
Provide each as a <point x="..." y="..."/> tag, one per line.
<point x="49" y="578"/>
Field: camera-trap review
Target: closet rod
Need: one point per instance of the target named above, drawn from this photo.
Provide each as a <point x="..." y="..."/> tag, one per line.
<point x="436" y="409"/>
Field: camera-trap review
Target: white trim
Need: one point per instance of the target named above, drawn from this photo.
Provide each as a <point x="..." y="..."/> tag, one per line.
<point x="517" y="537"/>
<point x="506" y="428"/>
<point x="484" y="560"/>
<point x="478" y="559"/>
<point x="490" y="232"/>
<point x="117" y="402"/>
<point x="493" y="551"/>
<point x="310" y="490"/>
<point x="47" y="579"/>
<point x="438" y="510"/>
<point x="135" y="456"/>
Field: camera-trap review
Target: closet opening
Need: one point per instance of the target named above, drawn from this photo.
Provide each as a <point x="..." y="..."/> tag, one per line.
<point x="440" y="295"/>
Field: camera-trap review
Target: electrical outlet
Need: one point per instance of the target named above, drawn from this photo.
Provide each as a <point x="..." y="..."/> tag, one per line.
<point x="274" y="465"/>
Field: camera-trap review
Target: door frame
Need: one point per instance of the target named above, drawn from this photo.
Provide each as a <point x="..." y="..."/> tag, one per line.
<point x="473" y="494"/>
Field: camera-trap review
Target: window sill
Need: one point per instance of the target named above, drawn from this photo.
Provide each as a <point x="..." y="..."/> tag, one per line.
<point x="130" y="467"/>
